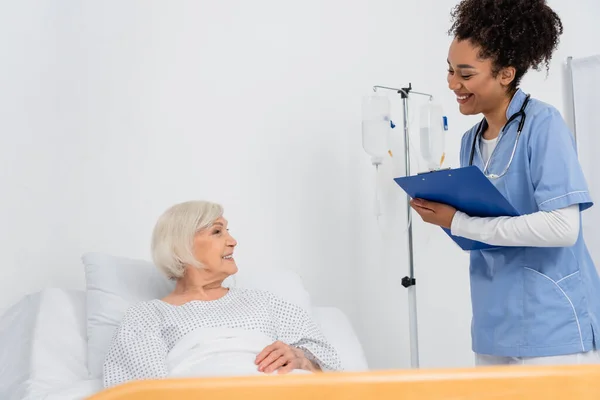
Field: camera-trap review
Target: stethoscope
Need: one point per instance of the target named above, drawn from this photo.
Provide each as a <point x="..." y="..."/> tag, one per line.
<point x="520" y="113"/>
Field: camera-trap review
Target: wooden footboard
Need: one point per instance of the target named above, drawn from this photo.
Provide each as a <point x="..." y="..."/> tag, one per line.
<point x="497" y="383"/>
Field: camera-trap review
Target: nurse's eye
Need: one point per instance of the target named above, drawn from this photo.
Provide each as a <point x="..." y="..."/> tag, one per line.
<point x="466" y="76"/>
<point x="450" y="72"/>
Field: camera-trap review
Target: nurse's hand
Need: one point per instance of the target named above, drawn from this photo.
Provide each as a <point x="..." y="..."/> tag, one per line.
<point x="434" y="213"/>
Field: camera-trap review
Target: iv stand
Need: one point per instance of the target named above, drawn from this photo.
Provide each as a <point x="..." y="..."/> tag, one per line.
<point x="409" y="282"/>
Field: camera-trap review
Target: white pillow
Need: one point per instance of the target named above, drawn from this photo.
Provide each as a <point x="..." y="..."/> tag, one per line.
<point x="338" y="329"/>
<point x="116" y="283"/>
<point x="43" y="344"/>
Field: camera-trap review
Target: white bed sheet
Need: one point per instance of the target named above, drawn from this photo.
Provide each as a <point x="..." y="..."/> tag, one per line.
<point x="43" y="346"/>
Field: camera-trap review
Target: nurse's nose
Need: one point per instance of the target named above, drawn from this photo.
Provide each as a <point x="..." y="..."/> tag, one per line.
<point x="453" y="83"/>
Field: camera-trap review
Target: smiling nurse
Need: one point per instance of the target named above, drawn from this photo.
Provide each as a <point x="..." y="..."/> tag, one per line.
<point x="536" y="299"/>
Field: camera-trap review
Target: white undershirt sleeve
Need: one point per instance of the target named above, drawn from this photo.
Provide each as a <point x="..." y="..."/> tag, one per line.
<point x="558" y="228"/>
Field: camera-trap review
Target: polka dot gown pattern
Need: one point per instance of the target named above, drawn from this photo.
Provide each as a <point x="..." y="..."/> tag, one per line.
<point x="150" y="329"/>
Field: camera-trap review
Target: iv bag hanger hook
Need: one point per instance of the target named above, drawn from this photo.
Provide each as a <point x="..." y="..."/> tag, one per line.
<point x="404" y="92"/>
<point x="409" y="282"/>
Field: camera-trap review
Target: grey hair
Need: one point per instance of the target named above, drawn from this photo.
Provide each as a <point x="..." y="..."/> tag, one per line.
<point x="173" y="235"/>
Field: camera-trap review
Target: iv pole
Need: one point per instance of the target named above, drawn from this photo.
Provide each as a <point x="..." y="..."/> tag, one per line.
<point x="409" y="282"/>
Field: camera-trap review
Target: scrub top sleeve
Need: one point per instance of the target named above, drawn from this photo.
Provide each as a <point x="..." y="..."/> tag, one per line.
<point x="556" y="174"/>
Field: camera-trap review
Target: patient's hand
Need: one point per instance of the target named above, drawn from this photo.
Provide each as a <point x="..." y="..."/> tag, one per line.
<point x="283" y="358"/>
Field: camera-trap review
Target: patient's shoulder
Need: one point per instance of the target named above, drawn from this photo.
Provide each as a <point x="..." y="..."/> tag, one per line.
<point x="251" y="293"/>
<point x="271" y="300"/>
<point x="257" y="295"/>
<point x="144" y="315"/>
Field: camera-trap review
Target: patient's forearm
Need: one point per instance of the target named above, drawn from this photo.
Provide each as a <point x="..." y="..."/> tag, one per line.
<point x="315" y="367"/>
<point x="309" y="361"/>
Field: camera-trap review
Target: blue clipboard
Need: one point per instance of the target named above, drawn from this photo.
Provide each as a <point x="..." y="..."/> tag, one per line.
<point x="467" y="189"/>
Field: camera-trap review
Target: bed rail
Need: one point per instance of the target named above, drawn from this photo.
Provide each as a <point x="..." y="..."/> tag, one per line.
<point x="579" y="382"/>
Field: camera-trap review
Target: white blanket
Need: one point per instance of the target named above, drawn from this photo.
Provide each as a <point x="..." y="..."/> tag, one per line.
<point x="218" y="352"/>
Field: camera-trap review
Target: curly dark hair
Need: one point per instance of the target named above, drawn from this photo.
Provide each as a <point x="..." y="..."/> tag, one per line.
<point x="512" y="33"/>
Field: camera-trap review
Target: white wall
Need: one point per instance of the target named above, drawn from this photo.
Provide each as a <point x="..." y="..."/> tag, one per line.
<point x="112" y="111"/>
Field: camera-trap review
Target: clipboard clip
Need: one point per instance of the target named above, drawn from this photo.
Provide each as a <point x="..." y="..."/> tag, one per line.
<point x="435" y="170"/>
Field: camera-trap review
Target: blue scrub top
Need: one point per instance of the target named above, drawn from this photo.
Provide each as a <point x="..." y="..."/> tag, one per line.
<point x="530" y="301"/>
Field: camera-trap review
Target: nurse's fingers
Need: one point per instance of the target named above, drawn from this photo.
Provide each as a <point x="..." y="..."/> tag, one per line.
<point x="423" y="204"/>
<point x="426" y="214"/>
<point x="423" y="212"/>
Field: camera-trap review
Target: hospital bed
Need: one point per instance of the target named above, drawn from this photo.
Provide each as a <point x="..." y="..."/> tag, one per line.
<point x="47" y="338"/>
<point x="45" y="351"/>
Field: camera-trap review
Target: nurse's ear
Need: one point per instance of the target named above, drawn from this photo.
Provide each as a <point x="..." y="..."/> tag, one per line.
<point x="507" y="75"/>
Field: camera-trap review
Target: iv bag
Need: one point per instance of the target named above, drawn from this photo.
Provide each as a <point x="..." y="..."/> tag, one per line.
<point x="432" y="135"/>
<point x="376" y="127"/>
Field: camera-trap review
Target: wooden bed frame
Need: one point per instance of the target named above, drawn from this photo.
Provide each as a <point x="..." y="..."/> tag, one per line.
<point x="578" y="382"/>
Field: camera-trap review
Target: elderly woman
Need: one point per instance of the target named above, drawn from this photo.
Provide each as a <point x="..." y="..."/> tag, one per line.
<point x="192" y="245"/>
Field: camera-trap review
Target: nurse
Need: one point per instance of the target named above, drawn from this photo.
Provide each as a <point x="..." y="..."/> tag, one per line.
<point x="536" y="299"/>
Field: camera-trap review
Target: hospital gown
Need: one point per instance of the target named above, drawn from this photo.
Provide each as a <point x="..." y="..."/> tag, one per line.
<point x="150" y="329"/>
